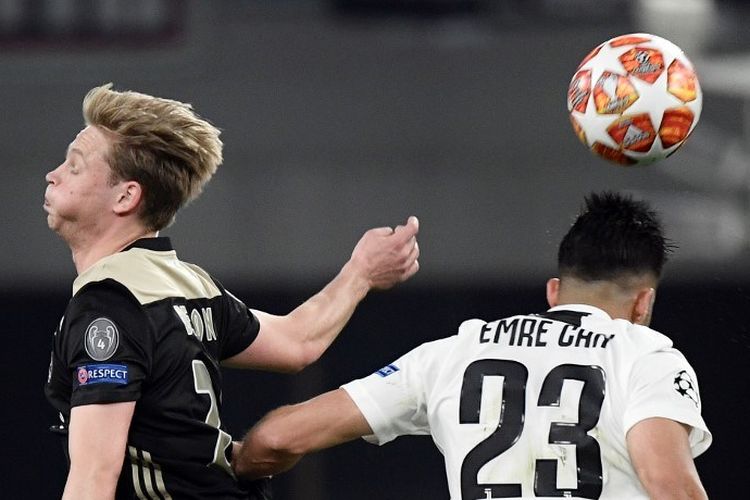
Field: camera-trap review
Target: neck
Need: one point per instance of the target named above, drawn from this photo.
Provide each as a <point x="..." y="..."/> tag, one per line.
<point x="88" y="253"/>
<point x="615" y="309"/>
<point x="618" y="299"/>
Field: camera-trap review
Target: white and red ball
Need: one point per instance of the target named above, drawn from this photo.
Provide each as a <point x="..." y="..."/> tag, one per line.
<point x="634" y="99"/>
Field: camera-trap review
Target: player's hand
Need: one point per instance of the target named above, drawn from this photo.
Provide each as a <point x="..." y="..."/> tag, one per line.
<point x="386" y="256"/>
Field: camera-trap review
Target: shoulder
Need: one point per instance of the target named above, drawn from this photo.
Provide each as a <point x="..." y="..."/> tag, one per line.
<point x="463" y="341"/>
<point x="471" y="325"/>
<point x="106" y="294"/>
<point x="467" y="331"/>
<point x="434" y="349"/>
<point x="151" y="276"/>
<point x="470" y="328"/>
<point x="104" y="308"/>
<point x="640" y="340"/>
<point x="654" y="358"/>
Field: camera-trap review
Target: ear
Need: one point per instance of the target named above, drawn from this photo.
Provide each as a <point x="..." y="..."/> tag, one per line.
<point x="553" y="291"/>
<point x="128" y="197"/>
<point x="642" y="307"/>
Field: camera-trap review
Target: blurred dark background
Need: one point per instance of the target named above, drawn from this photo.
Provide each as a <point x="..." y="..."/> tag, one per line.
<point x="342" y="115"/>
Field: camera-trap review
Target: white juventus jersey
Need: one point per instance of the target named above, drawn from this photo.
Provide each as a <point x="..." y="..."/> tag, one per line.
<point x="535" y="406"/>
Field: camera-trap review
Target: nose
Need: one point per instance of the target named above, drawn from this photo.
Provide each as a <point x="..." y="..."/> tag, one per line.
<point x="51" y="176"/>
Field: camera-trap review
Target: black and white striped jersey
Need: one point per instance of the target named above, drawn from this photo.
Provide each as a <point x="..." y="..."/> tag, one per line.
<point x="144" y="326"/>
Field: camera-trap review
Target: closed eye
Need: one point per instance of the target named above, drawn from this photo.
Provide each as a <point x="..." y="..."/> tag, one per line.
<point x="69" y="155"/>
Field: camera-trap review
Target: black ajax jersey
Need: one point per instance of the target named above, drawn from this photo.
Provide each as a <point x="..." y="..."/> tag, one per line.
<point x="144" y="326"/>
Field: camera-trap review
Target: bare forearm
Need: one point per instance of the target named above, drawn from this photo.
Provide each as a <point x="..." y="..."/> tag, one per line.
<point x="97" y="437"/>
<point x="265" y="449"/>
<point x="660" y="451"/>
<point x="288" y="433"/>
<point x="91" y="483"/>
<point x="322" y="317"/>
<point x="672" y="484"/>
<point x="679" y="490"/>
<point x="318" y="321"/>
<point x="256" y="459"/>
<point x="382" y="258"/>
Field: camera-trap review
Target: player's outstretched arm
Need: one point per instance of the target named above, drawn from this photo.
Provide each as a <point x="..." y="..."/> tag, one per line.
<point x="97" y="436"/>
<point x="660" y="451"/>
<point x="288" y="433"/>
<point x="382" y="258"/>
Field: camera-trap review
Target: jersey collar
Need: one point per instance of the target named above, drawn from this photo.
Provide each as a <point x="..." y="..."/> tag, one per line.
<point x="584" y="308"/>
<point x="158" y="244"/>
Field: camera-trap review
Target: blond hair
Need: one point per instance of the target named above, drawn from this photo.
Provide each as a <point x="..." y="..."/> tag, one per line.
<point x="160" y="143"/>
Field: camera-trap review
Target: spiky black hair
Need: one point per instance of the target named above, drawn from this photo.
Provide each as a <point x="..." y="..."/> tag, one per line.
<point x="614" y="236"/>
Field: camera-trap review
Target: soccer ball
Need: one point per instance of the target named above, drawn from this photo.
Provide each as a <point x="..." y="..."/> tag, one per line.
<point x="634" y="99"/>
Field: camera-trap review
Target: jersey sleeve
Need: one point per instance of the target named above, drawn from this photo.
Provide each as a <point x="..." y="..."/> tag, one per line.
<point x="663" y="384"/>
<point x="240" y="326"/>
<point x="106" y="345"/>
<point x="393" y="400"/>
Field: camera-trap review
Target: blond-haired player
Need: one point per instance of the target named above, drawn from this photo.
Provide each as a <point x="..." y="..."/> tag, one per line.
<point x="135" y="363"/>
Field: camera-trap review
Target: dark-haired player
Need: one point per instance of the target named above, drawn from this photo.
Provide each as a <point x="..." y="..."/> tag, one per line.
<point x="582" y="401"/>
<point x="135" y="363"/>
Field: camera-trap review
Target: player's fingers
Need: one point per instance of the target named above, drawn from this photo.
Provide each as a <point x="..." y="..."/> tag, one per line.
<point x="409" y="261"/>
<point x="381" y="231"/>
<point x="415" y="251"/>
<point x="409" y="250"/>
<point x="411" y="271"/>
<point x="409" y="230"/>
<point x="405" y="251"/>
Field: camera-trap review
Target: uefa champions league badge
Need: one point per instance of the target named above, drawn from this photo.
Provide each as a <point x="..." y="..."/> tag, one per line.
<point x="102" y="339"/>
<point x="387" y="370"/>
<point x="685" y="387"/>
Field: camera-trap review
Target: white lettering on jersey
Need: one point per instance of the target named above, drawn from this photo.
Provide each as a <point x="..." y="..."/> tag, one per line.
<point x="185" y="318"/>
<point x="208" y="320"/>
<point x="197" y="323"/>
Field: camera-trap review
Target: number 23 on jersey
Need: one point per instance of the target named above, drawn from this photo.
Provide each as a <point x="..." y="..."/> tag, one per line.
<point x="510" y="427"/>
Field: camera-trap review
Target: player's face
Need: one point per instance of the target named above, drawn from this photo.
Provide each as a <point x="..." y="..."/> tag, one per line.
<point x="79" y="193"/>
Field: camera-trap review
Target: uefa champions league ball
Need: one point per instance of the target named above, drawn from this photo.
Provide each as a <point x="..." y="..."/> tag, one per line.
<point x="634" y="99"/>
